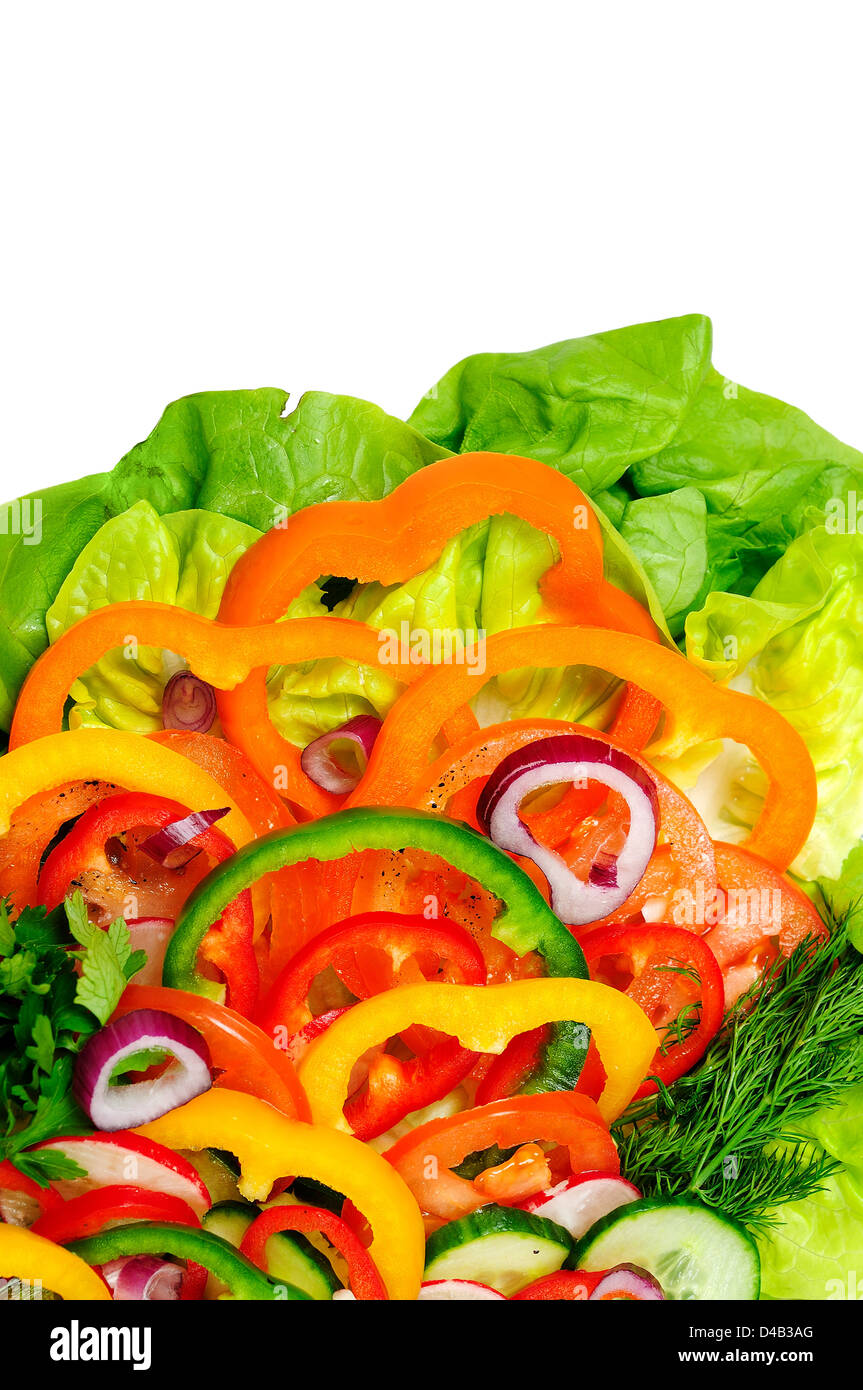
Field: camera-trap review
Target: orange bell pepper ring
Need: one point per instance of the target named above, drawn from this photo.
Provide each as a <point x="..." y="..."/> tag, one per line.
<point x="696" y="711"/>
<point x="426" y="1155"/>
<point x="221" y="655"/>
<point x="403" y="534"/>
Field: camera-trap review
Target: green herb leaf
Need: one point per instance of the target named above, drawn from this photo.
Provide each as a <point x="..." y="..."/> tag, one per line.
<point x="105" y="954"/>
<point x="788" y="1048"/>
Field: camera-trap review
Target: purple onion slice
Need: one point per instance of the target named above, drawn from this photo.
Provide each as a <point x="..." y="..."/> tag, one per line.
<point x="178" y="834"/>
<point x="188" y="703"/>
<point x="319" y="762"/>
<point x="143" y="1036"/>
<point x="143" y="1278"/>
<point x="574" y="758"/>
<point x="627" y="1281"/>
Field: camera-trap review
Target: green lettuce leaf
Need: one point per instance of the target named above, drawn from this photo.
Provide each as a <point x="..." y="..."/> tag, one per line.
<point x="797" y="642"/>
<point x="486" y="580"/>
<point x="817" y="1250"/>
<point x="183" y="558"/>
<point x="588" y="406"/>
<point x="237" y="453"/>
<point x="643" y="423"/>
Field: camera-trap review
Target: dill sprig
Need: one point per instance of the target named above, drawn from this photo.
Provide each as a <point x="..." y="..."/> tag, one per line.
<point x="730" y="1130"/>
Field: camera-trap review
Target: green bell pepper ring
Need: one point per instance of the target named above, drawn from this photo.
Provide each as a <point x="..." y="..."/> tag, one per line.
<point x="527" y="923"/>
<point x="244" y="1280"/>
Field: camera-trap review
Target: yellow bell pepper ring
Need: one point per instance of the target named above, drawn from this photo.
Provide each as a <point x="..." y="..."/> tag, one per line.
<point x="26" y="1256"/>
<point x="484" y="1018"/>
<point x="136" y="764"/>
<point x="270" y="1146"/>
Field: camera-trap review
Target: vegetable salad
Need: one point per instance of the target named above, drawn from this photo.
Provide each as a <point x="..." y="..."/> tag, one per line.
<point x="429" y="851"/>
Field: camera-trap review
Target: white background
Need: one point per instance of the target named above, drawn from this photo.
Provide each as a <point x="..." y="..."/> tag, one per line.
<point x="354" y="196"/>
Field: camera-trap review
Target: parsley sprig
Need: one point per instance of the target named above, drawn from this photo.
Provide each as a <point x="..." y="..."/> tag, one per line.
<point x="48" y="1010"/>
<point x="730" y="1130"/>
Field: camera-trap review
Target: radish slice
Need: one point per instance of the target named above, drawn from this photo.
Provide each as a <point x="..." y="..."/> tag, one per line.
<point x="111" y="1160"/>
<point x="139" y="1039"/>
<point x="319" y="762"/>
<point x="574" y="758"/>
<point x="458" y="1290"/>
<point x="627" y="1282"/>
<point x="576" y="1203"/>
<point x="150" y="935"/>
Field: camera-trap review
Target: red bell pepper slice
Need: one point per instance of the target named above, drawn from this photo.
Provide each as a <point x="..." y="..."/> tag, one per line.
<point x="90" y="1212"/>
<point x="565" y="1284"/>
<point x="12" y="1180"/>
<point x="519" y="1060"/>
<point x="229" y="944"/>
<point x="365" y="1281"/>
<point x="675" y="978"/>
<point x="395" y="1088"/>
<point x="396" y="934"/>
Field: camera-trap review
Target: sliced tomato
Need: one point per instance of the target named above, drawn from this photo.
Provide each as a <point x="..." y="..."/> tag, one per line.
<point x="426" y="1155"/>
<point x="762" y="915"/>
<point x="674" y="977"/>
<point x="105" y="855"/>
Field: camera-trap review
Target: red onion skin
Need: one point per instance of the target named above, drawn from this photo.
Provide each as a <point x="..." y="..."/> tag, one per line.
<point x="181" y="832"/>
<point x="140" y="1278"/>
<point x="322" y="769"/>
<point x="126" y="1106"/>
<point x="566" y="758"/>
<point x="178" y="707"/>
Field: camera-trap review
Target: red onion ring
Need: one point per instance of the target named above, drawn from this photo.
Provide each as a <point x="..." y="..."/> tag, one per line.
<point x="142" y="1278"/>
<point x="572" y="758"/>
<point x="138" y="1102"/>
<point x="174" y="836"/>
<point x="319" y="764"/>
<point x="188" y="703"/>
<point x="627" y="1281"/>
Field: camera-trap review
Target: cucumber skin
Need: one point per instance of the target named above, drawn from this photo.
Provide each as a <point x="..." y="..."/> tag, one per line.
<point x="646" y="1204"/>
<point x="231" y="1220"/>
<point x="471" y="1242"/>
<point x="494" y="1220"/>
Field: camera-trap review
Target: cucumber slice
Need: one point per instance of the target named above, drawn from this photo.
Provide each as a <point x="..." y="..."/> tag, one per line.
<point x="230" y="1220"/>
<point x="499" y="1246"/>
<point x="695" y="1251"/>
<point x="291" y="1259"/>
<point x="219" y="1170"/>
